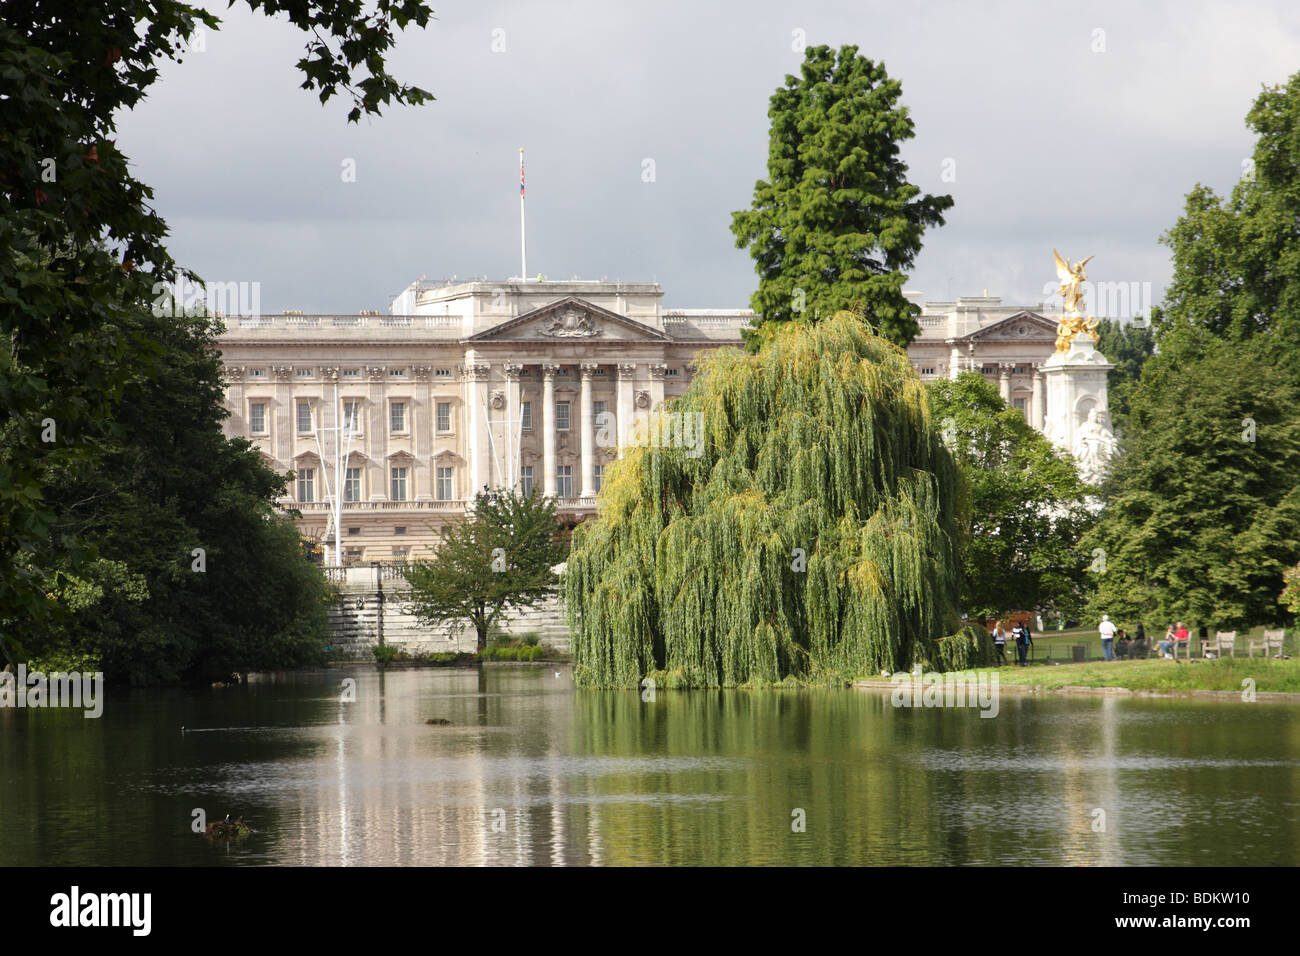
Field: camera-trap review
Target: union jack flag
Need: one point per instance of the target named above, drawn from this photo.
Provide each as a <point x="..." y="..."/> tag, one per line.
<point x="521" y="177"/>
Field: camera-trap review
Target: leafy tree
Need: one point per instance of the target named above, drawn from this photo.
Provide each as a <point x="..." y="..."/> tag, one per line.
<point x="814" y="538"/>
<point x="1204" y="512"/>
<point x="1204" y="509"/>
<point x="167" y="482"/>
<point x="1027" y="505"/>
<point x="1128" y="346"/>
<point x="837" y="222"/>
<point x="501" y="556"/>
<point x="1237" y="261"/>
<point x="79" y="243"/>
<point x="1290" y="596"/>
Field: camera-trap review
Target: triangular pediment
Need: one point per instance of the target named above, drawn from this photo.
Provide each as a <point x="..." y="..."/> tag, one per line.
<point x="570" y="319"/>
<point x="1022" y="327"/>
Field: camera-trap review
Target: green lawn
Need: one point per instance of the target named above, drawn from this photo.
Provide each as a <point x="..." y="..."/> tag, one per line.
<point x="1162" y="675"/>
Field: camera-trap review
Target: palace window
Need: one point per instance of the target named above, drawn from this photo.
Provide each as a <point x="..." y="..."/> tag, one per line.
<point x="597" y="413"/>
<point x="442" y="373"/>
<point x="257" y="373"/>
<point x="303" y="372"/>
<point x="397" y="417"/>
<point x="928" y="370"/>
<point x="400" y="529"/>
<point x="353" y="532"/>
<point x="306" y="484"/>
<point x="526" y="416"/>
<point x="561" y="416"/>
<point x="257" y="418"/>
<point x="672" y="371"/>
<point x="400" y="552"/>
<point x="304" y="417"/>
<point x="1019" y="405"/>
<point x="564" y="481"/>
<point x="444" y="417"/>
<point x="352" y="414"/>
<point x="352" y="485"/>
<point x="526" y="478"/>
<point x="351" y="372"/>
<point x="396" y="372"/>
<point x="398" y="484"/>
<point x="596" y="473"/>
<point x="444" y="489"/>
<point x="353" y="554"/>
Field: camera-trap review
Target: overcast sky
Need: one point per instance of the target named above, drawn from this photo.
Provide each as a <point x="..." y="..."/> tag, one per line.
<point x="1052" y="144"/>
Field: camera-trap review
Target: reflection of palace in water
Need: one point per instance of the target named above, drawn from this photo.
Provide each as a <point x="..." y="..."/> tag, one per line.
<point x="382" y="788"/>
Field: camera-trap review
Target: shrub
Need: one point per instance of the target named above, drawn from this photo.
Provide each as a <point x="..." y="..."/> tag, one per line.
<point x="385" y="653"/>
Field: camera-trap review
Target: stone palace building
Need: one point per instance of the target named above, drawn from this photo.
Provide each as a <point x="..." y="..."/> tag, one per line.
<point x="528" y="383"/>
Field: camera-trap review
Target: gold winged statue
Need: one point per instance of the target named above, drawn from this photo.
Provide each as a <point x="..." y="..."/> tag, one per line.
<point x="1072" y="323"/>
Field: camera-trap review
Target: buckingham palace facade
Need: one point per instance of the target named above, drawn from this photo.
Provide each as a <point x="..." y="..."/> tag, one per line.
<point x="535" y="385"/>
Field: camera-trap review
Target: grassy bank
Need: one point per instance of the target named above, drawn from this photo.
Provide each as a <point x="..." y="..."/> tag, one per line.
<point x="1162" y="675"/>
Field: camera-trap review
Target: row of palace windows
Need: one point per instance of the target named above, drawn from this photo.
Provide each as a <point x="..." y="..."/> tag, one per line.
<point x="401" y="372"/>
<point x="258" y="423"/>
<point x="444" y="483"/>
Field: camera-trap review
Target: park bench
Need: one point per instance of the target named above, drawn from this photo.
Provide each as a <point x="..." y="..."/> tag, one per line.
<point x="1223" y="641"/>
<point x="1270" y="643"/>
<point x="1184" y="646"/>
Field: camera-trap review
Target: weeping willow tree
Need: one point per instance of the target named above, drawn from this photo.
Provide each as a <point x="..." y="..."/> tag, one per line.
<point x="809" y="532"/>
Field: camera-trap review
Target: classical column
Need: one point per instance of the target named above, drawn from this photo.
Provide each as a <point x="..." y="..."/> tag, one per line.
<point x="480" y="451"/>
<point x="376" y="432"/>
<point x="548" y="428"/>
<point x="625" y="410"/>
<point x="514" y="398"/>
<point x="421" y="426"/>
<point x="1036" y="402"/>
<point x="588" y="426"/>
<point x="1004" y="382"/>
<point x="954" y="363"/>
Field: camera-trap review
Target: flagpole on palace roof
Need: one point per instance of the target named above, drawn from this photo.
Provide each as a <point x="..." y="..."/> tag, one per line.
<point x="523" y="249"/>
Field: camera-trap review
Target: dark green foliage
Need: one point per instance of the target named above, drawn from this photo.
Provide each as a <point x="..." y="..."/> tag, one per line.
<point x="823" y="441"/>
<point x="836" y="223"/>
<point x="500" y="557"/>
<point x="80" y="245"/>
<point x="1202" y="521"/>
<point x="1027" y="508"/>
<point x="165" y="482"/>
<point x="1203" y="516"/>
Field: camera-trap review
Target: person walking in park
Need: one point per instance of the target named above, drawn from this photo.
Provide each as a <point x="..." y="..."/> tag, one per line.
<point x="1107" y="631"/>
<point x="1022" y="644"/>
<point x="1000" y="642"/>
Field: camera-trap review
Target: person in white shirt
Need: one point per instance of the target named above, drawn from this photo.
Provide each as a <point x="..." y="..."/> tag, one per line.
<point x="1107" y="630"/>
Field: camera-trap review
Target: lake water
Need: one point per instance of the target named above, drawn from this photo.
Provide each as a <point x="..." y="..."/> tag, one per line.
<point x="531" y="770"/>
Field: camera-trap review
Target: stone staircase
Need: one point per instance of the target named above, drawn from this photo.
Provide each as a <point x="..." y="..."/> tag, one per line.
<point x="356" y="621"/>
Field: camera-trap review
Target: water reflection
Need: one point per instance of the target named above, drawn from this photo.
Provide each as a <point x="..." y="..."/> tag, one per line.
<point x="530" y="771"/>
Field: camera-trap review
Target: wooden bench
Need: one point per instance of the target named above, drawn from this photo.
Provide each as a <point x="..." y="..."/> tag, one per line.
<point x="1223" y="641"/>
<point x="1271" y="643"/>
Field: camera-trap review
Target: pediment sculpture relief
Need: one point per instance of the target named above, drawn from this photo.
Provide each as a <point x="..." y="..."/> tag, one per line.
<point x="572" y="323"/>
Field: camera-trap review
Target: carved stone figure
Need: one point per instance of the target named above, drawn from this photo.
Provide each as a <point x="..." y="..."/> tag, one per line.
<point x="1094" y="447"/>
<point x="572" y="323"/>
